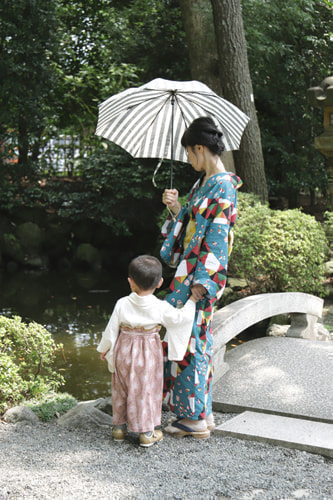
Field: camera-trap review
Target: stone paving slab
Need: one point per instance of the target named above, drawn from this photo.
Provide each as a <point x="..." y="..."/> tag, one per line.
<point x="306" y="435"/>
<point x="286" y="376"/>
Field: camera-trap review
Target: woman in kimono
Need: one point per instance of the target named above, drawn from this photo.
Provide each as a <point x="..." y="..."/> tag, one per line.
<point x="198" y="242"/>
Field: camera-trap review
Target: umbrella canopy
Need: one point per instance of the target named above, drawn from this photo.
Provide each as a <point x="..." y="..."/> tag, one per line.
<point x="149" y="121"/>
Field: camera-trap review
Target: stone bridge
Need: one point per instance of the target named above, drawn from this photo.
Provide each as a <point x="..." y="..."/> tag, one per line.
<point x="228" y="322"/>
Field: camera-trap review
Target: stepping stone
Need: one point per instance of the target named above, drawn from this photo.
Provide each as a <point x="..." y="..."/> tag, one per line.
<point x="284" y="376"/>
<point x="306" y="435"/>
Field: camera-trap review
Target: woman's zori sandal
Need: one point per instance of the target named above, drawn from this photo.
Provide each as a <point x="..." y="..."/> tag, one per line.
<point x="178" y="429"/>
<point x="209" y="421"/>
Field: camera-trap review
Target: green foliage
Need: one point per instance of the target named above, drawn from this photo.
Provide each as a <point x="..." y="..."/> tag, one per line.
<point x="52" y="405"/>
<point x="289" y="49"/>
<point x="13" y="387"/>
<point x="278" y="251"/>
<point x="91" y="65"/>
<point x="60" y="59"/>
<point x="328" y="227"/>
<point x="121" y="188"/>
<point x="157" y="44"/>
<point x="113" y="189"/>
<point x="28" y="36"/>
<point x="26" y="356"/>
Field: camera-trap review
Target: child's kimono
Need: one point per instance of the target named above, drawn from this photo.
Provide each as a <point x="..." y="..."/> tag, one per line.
<point x="135" y="356"/>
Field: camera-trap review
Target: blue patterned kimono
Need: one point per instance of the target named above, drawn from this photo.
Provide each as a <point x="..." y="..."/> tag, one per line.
<point x="198" y="243"/>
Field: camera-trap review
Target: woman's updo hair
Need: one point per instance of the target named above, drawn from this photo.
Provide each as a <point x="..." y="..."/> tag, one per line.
<point x="204" y="132"/>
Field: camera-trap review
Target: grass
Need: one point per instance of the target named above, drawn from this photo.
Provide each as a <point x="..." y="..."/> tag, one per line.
<point x="52" y="405"/>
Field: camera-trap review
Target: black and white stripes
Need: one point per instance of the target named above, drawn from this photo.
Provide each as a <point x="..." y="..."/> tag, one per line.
<point x="140" y="119"/>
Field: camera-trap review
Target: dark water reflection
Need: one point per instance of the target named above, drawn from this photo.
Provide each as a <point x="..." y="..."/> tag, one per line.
<point x="75" y="308"/>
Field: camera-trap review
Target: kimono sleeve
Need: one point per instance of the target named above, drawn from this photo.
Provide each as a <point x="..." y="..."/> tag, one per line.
<point x="211" y="269"/>
<point x="178" y="324"/>
<point x="110" y="337"/>
<point x="173" y="232"/>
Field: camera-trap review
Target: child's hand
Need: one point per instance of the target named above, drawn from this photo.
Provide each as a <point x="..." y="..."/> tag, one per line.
<point x="198" y="292"/>
<point x="103" y="354"/>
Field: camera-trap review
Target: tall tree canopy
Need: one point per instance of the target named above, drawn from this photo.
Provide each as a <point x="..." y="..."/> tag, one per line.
<point x="290" y="49"/>
<point x="28" y="49"/>
<point x="59" y="59"/>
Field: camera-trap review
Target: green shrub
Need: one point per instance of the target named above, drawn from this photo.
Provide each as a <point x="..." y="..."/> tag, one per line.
<point x="12" y="386"/>
<point x="278" y="251"/>
<point x="52" y="405"/>
<point x="328" y="227"/>
<point x="26" y="356"/>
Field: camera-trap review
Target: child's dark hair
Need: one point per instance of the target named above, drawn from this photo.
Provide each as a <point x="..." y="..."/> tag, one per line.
<point x="146" y="271"/>
<point x="204" y="132"/>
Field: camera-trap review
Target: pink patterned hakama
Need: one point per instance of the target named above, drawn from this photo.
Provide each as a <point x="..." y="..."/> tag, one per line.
<point x="137" y="382"/>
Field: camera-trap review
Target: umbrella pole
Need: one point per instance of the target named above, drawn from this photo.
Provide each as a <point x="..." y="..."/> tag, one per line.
<point x="172" y="119"/>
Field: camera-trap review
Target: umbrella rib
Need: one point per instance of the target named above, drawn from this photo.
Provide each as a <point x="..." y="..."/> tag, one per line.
<point x="180" y="109"/>
<point x="161" y="107"/>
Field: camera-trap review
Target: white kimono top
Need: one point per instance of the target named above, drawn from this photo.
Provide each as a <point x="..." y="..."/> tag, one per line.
<point x="148" y="311"/>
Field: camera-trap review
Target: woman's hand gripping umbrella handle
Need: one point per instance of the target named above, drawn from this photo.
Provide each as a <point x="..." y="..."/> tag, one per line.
<point x="170" y="199"/>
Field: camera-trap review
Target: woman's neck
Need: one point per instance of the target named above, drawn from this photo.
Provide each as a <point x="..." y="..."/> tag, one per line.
<point x="214" y="166"/>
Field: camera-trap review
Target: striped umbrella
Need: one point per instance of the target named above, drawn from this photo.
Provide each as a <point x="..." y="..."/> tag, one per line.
<point x="149" y="121"/>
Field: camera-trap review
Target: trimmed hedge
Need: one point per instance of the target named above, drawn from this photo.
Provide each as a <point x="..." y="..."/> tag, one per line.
<point x="278" y="250"/>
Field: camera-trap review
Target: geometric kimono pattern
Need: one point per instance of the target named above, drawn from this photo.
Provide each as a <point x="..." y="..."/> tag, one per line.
<point x="201" y="256"/>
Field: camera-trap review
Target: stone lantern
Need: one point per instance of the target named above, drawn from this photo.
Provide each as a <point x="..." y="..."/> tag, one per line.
<point x="322" y="96"/>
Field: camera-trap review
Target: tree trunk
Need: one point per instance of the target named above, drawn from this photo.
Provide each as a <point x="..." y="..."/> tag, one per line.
<point x="237" y="88"/>
<point x="23" y="143"/>
<point x="200" y="36"/>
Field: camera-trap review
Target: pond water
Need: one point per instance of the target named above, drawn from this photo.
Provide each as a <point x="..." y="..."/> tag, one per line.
<point x="75" y="308"/>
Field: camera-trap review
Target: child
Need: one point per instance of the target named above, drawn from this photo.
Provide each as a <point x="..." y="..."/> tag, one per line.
<point x="132" y="347"/>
